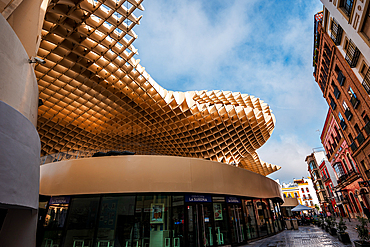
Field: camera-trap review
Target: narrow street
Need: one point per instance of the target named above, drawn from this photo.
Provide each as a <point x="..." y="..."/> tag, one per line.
<point x="307" y="236"/>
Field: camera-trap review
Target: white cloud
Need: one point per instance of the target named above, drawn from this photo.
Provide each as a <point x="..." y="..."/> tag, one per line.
<point x="184" y="41"/>
<point x="289" y="152"/>
<point x="259" y="48"/>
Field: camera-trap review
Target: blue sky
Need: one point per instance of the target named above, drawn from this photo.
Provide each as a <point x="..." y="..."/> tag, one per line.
<point x="261" y="48"/>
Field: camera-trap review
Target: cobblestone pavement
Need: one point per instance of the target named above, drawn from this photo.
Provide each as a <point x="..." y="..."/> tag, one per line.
<point x="307" y="236"/>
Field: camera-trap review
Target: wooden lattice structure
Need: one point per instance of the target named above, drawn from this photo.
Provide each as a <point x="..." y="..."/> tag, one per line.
<point x="96" y="95"/>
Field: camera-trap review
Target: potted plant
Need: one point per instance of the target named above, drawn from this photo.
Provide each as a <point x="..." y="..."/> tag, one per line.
<point x="363" y="233"/>
<point x="322" y="222"/>
<point x="328" y="223"/>
<point x="342" y="234"/>
<point x="332" y="225"/>
<point x="316" y="222"/>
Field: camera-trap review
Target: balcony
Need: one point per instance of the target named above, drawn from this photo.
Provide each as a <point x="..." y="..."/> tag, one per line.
<point x="352" y="172"/>
<point x="348" y="114"/>
<point x="313" y="168"/>
<point x="353" y="53"/>
<point x="366" y="81"/>
<point x="354" y="101"/>
<point x="341" y="78"/>
<point x="360" y="138"/>
<point x="353" y="146"/>
<point x="343" y="124"/>
<point x="342" y="178"/>
<point x="321" y="189"/>
<point x="341" y="199"/>
<point x="325" y="178"/>
<point x="336" y="32"/>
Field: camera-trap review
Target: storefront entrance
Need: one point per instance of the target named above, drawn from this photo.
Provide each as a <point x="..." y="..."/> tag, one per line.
<point x="214" y="221"/>
<point x="153" y="220"/>
<point x="235" y="216"/>
<point x="200" y="225"/>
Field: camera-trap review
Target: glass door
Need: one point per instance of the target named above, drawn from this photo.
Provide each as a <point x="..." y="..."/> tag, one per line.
<point x="200" y="225"/>
<point x="250" y="219"/>
<point x="235" y="217"/>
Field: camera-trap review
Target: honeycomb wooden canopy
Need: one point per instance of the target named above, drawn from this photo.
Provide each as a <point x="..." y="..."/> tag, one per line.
<point x="96" y="95"/>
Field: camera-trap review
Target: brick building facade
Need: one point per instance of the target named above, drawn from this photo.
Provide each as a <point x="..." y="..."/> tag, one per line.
<point x="338" y="63"/>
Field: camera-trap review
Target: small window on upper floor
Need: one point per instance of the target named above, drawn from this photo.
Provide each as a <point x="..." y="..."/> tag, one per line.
<point x="345" y="106"/>
<point x="345" y="45"/>
<point x="346" y="6"/>
<point x="353" y="98"/>
<point x="366" y="119"/>
<point x="363" y="68"/>
<point x="357" y="129"/>
<point x="336" y="90"/>
<point x="342" y="123"/>
<point x="350" y="137"/>
<point x="366" y="24"/>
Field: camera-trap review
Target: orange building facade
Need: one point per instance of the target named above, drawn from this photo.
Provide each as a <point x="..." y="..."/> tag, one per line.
<point x="336" y="64"/>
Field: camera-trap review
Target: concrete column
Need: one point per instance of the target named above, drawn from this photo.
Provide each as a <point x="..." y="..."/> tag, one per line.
<point x="19" y="142"/>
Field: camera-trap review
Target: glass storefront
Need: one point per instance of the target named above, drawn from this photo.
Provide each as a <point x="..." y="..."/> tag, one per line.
<point x="155" y="220"/>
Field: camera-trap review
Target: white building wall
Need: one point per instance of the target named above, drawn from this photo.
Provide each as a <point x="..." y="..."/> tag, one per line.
<point x="351" y="28"/>
<point x="311" y="192"/>
<point x="331" y="173"/>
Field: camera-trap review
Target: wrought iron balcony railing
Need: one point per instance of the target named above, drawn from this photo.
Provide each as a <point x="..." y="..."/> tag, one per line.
<point x="325" y="178"/>
<point x="342" y="178"/>
<point x="366" y="81"/>
<point x="352" y="172"/>
<point x="336" y="32"/>
<point x="352" y="55"/>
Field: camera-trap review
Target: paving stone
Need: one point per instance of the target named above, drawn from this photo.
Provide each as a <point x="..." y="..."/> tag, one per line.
<point x="305" y="236"/>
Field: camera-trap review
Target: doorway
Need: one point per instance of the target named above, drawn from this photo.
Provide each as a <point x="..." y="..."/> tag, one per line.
<point x="235" y="217"/>
<point x="200" y="225"/>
